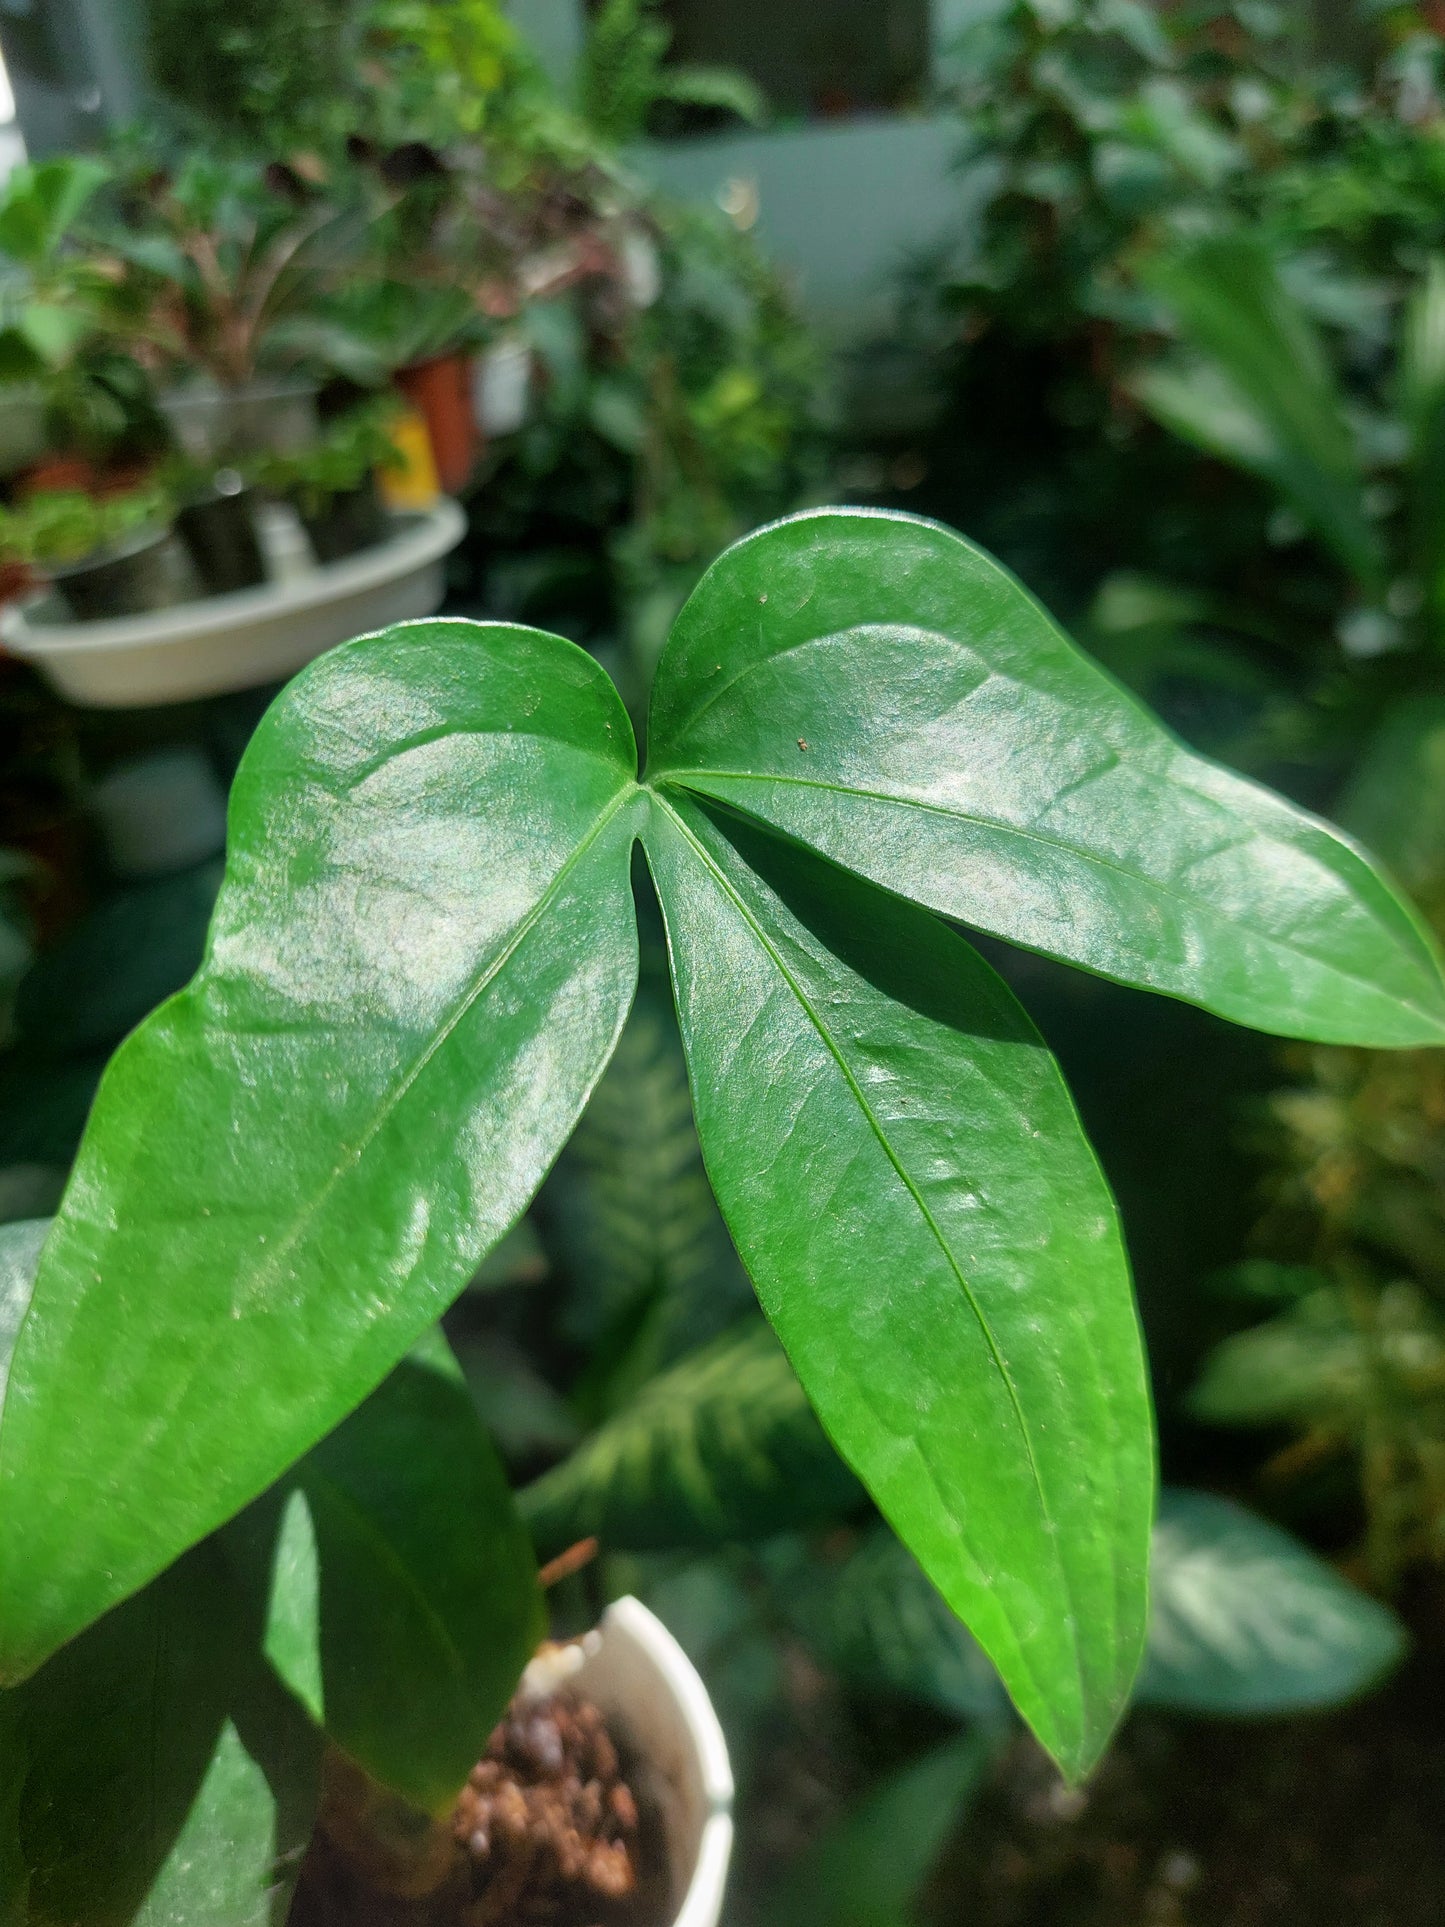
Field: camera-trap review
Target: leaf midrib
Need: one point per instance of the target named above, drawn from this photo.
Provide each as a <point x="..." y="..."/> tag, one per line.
<point x="1051" y="1535"/>
<point x="685" y="778"/>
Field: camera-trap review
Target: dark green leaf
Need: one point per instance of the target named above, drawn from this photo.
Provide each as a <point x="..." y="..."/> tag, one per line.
<point x="116" y="964"/>
<point x="881" y="1625"/>
<point x="628" y="1213"/>
<point x="144" y="1801"/>
<point x="1265" y="355"/>
<point x="723" y="1446"/>
<point x="1321" y="1362"/>
<point x="1421" y="401"/>
<point x="403" y="1590"/>
<point x="153" y="1772"/>
<point x="420" y="961"/>
<point x="1247" y="1621"/>
<point x="928" y="1230"/>
<point x="869" y="1865"/>
<point x="528" y="1418"/>
<point x="42" y="200"/>
<point x="1312" y="1361"/>
<point x="1395" y="799"/>
<point x="877" y="688"/>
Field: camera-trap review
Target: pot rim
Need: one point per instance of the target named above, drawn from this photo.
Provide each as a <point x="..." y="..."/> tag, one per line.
<point x="416" y="540"/>
<point x="124" y="551"/>
<point x="628" y="1623"/>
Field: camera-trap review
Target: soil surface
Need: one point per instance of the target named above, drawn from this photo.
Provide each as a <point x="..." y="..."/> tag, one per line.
<point x="550" y="1831"/>
<point x="1327" y="1821"/>
<point x="1332" y="1821"/>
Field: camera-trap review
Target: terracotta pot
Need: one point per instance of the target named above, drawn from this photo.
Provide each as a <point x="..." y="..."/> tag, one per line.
<point x="441" y="389"/>
<point x="59" y="474"/>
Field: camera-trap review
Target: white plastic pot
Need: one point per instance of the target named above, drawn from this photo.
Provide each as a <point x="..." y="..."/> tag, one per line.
<point x="502" y="386"/>
<point x="635" y="1672"/>
<point x="238" y="641"/>
<point x="273" y="415"/>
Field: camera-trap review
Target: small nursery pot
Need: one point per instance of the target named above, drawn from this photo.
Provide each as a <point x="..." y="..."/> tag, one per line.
<point x="130" y="580"/>
<point x="641" y="1680"/>
<point x="219" y="530"/>
<point x="441" y="391"/>
<point x="345" y="523"/>
<point x="215" y="424"/>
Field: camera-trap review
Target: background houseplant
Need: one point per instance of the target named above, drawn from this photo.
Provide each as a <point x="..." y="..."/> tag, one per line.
<point x="1105" y="131"/>
<point x="333" y="485"/>
<point x="105" y="558"/>
<point x="1002" y="1348"/>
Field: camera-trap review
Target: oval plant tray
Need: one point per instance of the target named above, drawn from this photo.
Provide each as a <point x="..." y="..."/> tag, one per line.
<point x="238" y="641"/>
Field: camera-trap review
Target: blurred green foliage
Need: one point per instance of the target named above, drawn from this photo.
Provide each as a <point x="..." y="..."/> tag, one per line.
<point x="1099" y="137"/>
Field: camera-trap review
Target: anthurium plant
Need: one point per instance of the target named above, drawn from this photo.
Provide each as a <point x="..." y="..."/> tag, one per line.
<point x="242" y="1495"/>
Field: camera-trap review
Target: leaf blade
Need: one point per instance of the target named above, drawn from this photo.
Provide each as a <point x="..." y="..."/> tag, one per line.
<point x="1248" y="1622"/>
<point x="875" y="687"/>
<point x="949" y="1310"/>
<point x="403" y="1588"/>
<point x="720" y="1448"/>
<point x="420" y="963"/>
<point x="1288" y="420"/>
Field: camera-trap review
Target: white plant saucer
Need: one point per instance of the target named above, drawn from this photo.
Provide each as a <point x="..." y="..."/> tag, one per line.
<point x="238" y="641"/>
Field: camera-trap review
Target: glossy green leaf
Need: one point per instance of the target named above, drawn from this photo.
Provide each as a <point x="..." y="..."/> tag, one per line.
<point x="928" y="1231"/>
<point x="879" y="689"/>
<point x="1244" y="1619"/>
<point x="1248" y="1621"/>
<point x="403" y="1599"/>
<point x="420" y="961"/>
<point x="724" y="1446"/>
<point x="867" y="1868"/>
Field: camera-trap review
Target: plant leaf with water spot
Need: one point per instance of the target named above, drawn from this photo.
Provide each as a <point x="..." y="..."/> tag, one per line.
<point x="878" y="689"/>
<point x="907" y="1182"/>
<point x="420" y="961"/>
